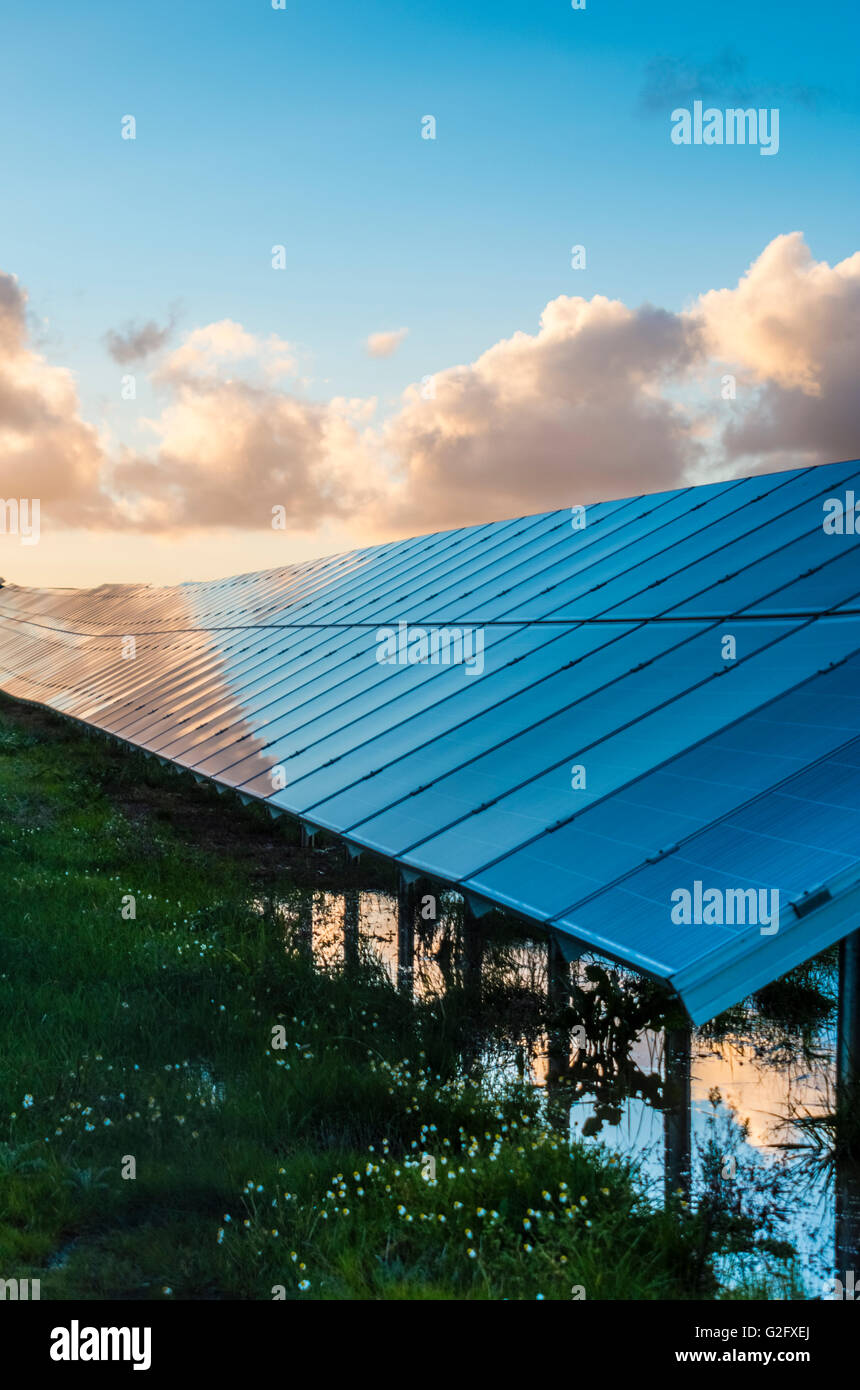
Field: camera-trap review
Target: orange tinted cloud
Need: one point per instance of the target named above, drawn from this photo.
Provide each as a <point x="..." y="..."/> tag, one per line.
<point x="46" y="450"/>
<point x="574" y="412"/>
<point x="601" y="400"/>
<point x="385" y="344"/>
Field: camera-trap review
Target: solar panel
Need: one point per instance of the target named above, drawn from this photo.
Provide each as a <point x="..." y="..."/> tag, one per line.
<point x="570" y="715"/>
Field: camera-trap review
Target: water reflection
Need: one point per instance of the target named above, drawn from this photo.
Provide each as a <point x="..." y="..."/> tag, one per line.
<point x="578" y="1033"/>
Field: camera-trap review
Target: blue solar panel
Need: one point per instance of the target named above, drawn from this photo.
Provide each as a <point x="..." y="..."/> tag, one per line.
<point x="664" y="686"/>
<point x="617" y="732"/>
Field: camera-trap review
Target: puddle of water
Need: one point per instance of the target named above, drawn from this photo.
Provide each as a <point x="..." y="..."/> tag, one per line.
<point x="764" y="1072"/>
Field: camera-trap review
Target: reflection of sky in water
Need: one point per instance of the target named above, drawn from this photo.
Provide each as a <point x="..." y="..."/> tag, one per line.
<point x="761" y="1083"/>
<point x="759" y="1091"/>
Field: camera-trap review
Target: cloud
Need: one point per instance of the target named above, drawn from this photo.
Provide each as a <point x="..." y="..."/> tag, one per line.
<point x="601" y="400"/>
<point x="46" y="449"/>
<point x="230" y="444"/>
<point x="792" y="324"/>
<point x="605" y="400"/>
<point x="569" y="414"/>
<point x="670" y="82"/>
<point x="788" y="317"/>
<point x="206" y="350"/>
<point x="228" y="452"/>
<point x="385" y="344"/>
<point x="135" y="342"/>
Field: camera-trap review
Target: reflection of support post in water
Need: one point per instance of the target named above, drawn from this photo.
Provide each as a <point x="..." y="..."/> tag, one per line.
<point x="350" y="927"/>
<point x="677" y="1046"/>
<point x="407" y="900"/>
<point x="473" y="954"/>
<point x="558" y="1050"/>
<point x="305" y="925"/>
<point x="472" y="969"/>
<point x="558" y="999"/>
<point x="848" y="1111"/>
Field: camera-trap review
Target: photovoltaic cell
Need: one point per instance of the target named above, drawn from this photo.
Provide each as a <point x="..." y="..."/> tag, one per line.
<point x="666" y="693"/>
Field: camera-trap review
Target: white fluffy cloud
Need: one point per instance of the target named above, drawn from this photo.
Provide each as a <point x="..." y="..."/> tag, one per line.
<point x="231" y="444"/>
<point x="229" y="452"/>
<point x="206" y="351"/>
<point x="792" y="326"/>
<point x="605" y="400"/>
<point x="788" y="318"/>
<point x="601" y="400"/>
<point x="572" y="413"/>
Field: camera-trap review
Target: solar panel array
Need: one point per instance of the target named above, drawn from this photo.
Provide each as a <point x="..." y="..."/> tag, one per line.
<point x="571" y="715"/>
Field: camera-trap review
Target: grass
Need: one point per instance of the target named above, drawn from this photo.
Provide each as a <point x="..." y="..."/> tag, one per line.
<point x="189" y="1109"/>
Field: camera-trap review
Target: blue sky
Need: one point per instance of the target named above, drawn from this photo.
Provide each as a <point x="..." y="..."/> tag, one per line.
<point x="302" y="127"/>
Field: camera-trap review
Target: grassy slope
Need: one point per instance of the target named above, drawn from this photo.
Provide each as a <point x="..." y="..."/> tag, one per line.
<point x="152" y="1038"/>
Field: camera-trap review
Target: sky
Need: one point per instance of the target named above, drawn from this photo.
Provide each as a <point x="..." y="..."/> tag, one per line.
<point x="427" y="350"/>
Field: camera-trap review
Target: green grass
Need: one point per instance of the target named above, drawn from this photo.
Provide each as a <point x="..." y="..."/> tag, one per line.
<point x="263" y="1171"/>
